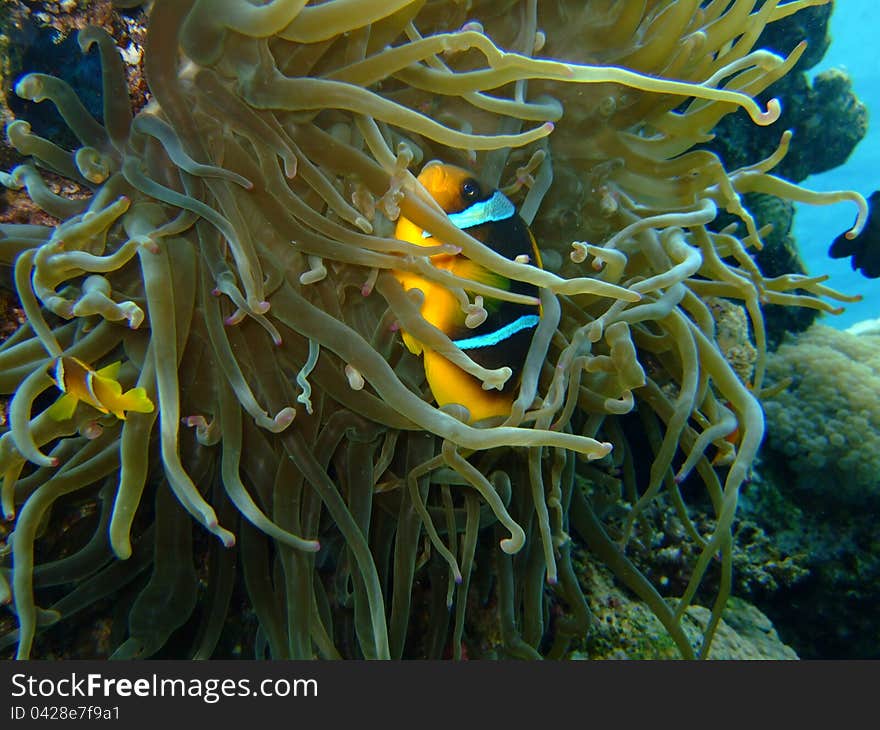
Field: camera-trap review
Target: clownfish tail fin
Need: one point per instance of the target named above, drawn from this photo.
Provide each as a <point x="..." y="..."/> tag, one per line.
<point x="135" y="400"/>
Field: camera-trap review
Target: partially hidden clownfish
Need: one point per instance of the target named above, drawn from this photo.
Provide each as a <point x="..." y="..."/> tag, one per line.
<point x="503" y="339"/>
<point x="97" y="388"/>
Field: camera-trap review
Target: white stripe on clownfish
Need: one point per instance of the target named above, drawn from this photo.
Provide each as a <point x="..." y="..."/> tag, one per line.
<point x="526" y="321"/>
<point x="496" y="208"/>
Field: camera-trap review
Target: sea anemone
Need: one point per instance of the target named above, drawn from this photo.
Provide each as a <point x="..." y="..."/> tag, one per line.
<point x="235" y="255"/>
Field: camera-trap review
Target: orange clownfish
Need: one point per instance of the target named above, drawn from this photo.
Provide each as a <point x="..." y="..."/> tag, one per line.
<point x="98" y="388"/>
<point x="504" y="337"/>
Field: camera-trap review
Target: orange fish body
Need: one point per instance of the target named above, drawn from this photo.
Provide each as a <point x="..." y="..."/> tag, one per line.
<point x="503" y="339"/>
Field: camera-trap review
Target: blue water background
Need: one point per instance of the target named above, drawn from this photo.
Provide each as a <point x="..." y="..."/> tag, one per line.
<point x="815" y="227"/>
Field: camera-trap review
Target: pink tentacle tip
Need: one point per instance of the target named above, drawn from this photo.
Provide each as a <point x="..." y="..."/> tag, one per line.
<point x="366" y="290"/>
<point x="774" y="109"/>
<point x="92" y="430"/>
<point x="285" y="417"/>
<point x="9" y="516"/>
<point x="552" y="580"/>
<point x="235" y="318"/>
<point x="395" y="326"/>
<point x="458" y="579"/>
<point x="262" y="307"/>
<point x="226" y="537"/>
<point x="549" y="126"/>
<point x="54" y="461"/>
<point x="216" y="292"/>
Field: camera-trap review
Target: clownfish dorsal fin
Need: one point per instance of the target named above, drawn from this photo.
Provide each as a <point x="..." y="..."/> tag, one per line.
<point x="110" y="371"/>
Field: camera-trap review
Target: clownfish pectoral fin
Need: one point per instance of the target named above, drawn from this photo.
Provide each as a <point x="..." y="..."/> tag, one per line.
<point x="63" y="408"/>
<point x="467" y="269"/>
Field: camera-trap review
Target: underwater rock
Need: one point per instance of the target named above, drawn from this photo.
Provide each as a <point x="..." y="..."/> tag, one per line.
<point x="662" y="550"/>
<point x="811" y="25"/>
<point x="830" y="612"/>
<point x="41" y="36"/>
<point x="626" y="629"/>
<point x="744" y="632"/>
<point x="780" y="255"/>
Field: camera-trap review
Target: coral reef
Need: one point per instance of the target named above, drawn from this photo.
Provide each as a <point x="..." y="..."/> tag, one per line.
<point x="232" y="252"/>
<point x="826" y="424"/>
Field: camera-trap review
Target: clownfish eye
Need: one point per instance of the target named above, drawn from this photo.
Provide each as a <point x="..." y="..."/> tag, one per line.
<point x="470" y="190"/>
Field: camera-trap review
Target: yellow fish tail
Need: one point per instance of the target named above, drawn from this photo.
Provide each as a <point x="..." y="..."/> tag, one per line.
<point x="135" y="400"/>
